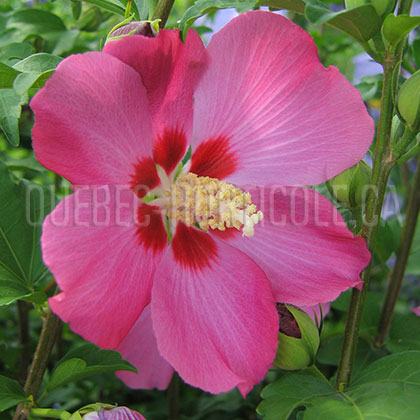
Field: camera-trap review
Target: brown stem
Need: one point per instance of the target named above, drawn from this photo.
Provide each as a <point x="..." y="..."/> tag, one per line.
<point x="25" y="353"/>
<point x="50" y="328"/>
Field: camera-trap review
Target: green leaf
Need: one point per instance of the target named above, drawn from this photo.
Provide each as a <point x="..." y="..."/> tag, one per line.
<point x="26" y="81"/>
<point x="35" y="71"/>
<point x="415" y="48"/>
<point x="9" y="115"/>
<point x="371" y="313"/>
<point x="38" y="63"/>
<point x="361" y="23"/>
<point x="401" y="367"/>
<point x="404" y="334"/>
<point x="201" y="7"/>
<point x="395" y="28"/>
<point x="14" y="290"/>
<point x="7" y="75"/>
<point x="370" y="87"/>
<point x="86" y="361"/>
<point x="76" y="8"/>
<point x="35" y="21"/>
<point x="387" y="242"/>
<point x="387" y="389"/>
<point x="40" y="23"/>
<point x="293" y="390"/>
<point x="28" y="163"/>
<point x="23" y="206"/>
<point x="11" y="393"/>
<point x="329" y="353"/>
<point x="16" y="51"/>
<point x="64" y="41"/>
<point x="108" y="5"/>
<point x="297" y="6"/>
<point x="143" y="8"/>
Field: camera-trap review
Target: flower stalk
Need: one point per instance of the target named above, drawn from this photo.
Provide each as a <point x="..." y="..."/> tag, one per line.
<point x="382" y="166"/>
<point x="49" y="332"/>
<point x="25" y="355"/>
<point x="162" y="11"/>
<point x="50" y="413"/>
<point x="397" y="275"/>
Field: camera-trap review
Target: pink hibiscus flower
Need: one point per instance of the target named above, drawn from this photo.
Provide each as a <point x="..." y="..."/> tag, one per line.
<point x="179" y="285"/>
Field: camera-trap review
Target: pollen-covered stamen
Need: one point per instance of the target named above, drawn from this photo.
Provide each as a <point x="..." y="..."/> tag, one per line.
<point x="211" y="204"/>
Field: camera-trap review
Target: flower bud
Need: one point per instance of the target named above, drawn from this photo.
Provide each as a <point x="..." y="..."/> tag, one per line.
<point x="117" y="413"/>
<point x="135" y="28"/>
<point x="408" y="102"/>
<point x="349" y="187"/>
<point x="298" y="339"/>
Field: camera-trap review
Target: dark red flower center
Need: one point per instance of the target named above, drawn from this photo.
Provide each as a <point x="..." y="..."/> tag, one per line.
<point x="185" y="204"/>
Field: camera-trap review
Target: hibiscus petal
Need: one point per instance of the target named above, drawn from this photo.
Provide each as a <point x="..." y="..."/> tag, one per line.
<point x="170" y="71"/>
<point x="140" y="349"/>
<point x="92" y="120"/>
<point x="304" y="246"/>
<point x="216" y="324"/>
<point x="90" y="243"/>
<point x="287" y="118"/>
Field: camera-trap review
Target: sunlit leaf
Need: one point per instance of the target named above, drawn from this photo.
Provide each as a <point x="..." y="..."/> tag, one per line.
<point x="35" y="71"/>
<point x="395" y="28"/>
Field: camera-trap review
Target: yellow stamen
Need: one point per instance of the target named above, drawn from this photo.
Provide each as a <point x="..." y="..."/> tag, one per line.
<point x="212" y="204"/>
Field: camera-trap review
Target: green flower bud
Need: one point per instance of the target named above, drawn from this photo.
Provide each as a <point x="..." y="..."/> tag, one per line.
<point x="128" y="27"/>
<point x="92" y="408"/>
<point x="408" y="102"/>
<point x="298" y="339"/>
<point x="349" y="187"/>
